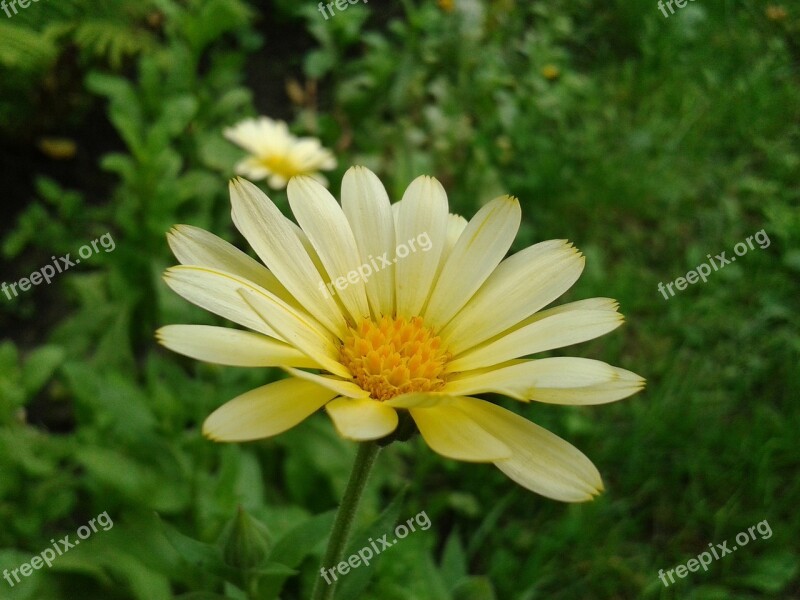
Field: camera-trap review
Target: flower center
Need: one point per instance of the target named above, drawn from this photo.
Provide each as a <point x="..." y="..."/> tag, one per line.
<point x="280" y="165"/>
<point x="394" y="356"/>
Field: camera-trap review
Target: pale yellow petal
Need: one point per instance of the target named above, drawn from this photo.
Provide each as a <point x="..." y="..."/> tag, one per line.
<point x="248" y="135"/>
<point x="478" y="251"/>
<point x="624" y="384"/>
<point x="418" y="400"/>
<point x="395" y="216"/>
<point x="519" y="380"/>
<point x="195" y="246"/>
<point x="340" y="386"/>
<point x="298" y="329"/>
<point x="541" y="461"/>
<point x="252" y="169"/>
<point x="277" y="181"/>
<point x="366" y="205"/>
<point x="217" y="292"/>
<point x="225" y="346"/>
<point x="456" y="224"/>
<point x="547" y="330"/>
<point x="519" y="286"/>
<point x="312" y="253"/>
<point x="604" y="304"/>
<point x="266" y="411"/>
<point x="326" y="226"/>
<point x="455" y="434"/>
<point x="309" y="155"/>
<point x="275" y="242"/>
<point x="559" y="380"/>
<point x="362" y="419"/>
<point x="422" y="211"/>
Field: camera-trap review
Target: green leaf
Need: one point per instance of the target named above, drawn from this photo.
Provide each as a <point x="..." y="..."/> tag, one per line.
<point x="771" y="574"/>
<point x="216" y="18"/>
<point x="291" y="549"/>
<point x="12" y="394"/>
<point x="143" y="582"/>
<point x="233" y="102"/>
<point x="318" y="62"/>
<point x="25" y="48"/>
<point x="488" y="524"/>
<point x="26" y="590"/>
<point x="114" y="470"/>
<point x="114" y="40"/>
<point x="454" y="560"/>
<point x="276" y="569"/>
<point x="177" y="113"/>
<point x="198" y="555"/>
<point x="475" y="588"/>
<point x="302" y="540"/>
<point x="125" y="110"/>
<point x="121" y="164"/>
<point x="216" y="152"/>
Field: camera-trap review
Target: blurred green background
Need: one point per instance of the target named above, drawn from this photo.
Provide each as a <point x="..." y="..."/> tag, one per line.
<point x="648" y="141"/>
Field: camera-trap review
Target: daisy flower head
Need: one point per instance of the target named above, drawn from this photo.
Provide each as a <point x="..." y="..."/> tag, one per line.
<point x="275" y="154"/>
<point x="367" y="330"/>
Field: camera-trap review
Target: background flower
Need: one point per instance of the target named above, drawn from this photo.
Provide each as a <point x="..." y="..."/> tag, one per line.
<point x="276" y="155"/>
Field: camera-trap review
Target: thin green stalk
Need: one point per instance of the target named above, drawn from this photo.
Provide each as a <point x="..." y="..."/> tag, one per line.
<point x="367" y="451"/>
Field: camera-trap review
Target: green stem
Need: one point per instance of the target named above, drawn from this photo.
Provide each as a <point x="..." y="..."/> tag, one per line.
<point x="367" y="451"/>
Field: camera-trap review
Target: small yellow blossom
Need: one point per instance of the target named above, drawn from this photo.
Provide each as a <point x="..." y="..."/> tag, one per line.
<point x="775" y="12"/>
<point x="550" y="72"/>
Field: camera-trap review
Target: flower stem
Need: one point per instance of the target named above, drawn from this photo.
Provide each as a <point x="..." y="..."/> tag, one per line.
<point x="367" y="451"/>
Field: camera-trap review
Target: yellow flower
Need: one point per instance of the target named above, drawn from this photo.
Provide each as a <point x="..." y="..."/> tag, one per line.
<point x="550" y="72"/>
<point x="776" y="12"/>
<point x="276" y="154"/>
<point x="446" y="5"/>
<point x="58" y="148"/>
<point x="398" y="307"/>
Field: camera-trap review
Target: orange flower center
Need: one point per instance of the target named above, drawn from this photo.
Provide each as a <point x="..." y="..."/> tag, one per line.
<point x="394" y="356"/>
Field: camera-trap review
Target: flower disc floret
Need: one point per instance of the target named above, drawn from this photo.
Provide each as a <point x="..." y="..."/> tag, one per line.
<point x="394" y="356"/>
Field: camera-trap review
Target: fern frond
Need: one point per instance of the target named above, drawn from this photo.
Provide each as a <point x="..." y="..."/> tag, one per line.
<point x="113" y="40"/>
<point x="25" y="49"/>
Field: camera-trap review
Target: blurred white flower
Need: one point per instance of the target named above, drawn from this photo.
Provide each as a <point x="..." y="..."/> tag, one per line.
<point x="276" y="155"/>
